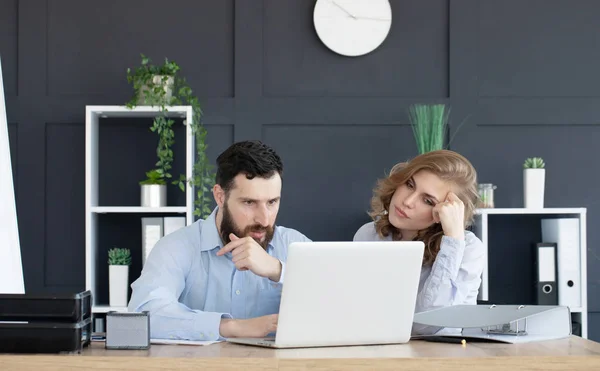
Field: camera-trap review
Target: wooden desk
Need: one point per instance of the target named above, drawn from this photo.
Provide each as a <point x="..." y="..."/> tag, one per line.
<point x="573" y="353"/>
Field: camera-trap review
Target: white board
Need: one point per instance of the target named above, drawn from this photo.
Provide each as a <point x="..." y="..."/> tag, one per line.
<point x="11" y="267"/>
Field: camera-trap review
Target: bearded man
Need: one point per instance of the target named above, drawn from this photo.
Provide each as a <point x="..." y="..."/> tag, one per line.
<point x="222" y="277"/>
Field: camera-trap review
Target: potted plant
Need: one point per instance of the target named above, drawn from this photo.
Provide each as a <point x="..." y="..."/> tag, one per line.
<point x="430" y="126"/>
<point x="153" y="190"/>
<point x="153" y="84"/>
<point x="534" y="174"/>
<point x="118" y="276"/>
<point x="203" y="176"/>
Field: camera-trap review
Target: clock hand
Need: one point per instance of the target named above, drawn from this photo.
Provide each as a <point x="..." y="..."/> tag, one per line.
<point x="347" y="12"/>
<point x="374" y="19"/>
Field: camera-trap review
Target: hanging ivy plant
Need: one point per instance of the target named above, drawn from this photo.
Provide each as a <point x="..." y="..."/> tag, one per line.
<point x="162" y="86"/>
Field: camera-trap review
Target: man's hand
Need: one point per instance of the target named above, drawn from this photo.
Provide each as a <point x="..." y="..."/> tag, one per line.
<point x="451" y="213"/>
<point x="248" y="328"/>
<point x="247" y="254"/>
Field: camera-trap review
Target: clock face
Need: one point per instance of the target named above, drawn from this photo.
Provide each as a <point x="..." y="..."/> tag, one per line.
<point x="352" y="27"/>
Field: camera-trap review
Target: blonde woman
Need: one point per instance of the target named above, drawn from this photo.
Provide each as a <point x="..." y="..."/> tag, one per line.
<point x="432" y="199"/>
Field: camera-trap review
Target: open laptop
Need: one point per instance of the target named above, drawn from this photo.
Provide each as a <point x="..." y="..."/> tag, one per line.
<point x="346" y="293"/>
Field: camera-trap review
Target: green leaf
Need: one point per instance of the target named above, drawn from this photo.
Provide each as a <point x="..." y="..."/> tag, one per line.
<point x="118" y="256"/>
<point x="534" y="163"/>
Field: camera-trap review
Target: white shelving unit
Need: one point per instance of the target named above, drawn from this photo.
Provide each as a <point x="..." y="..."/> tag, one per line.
<point x="135" y="209"/>
<point x="93" y="121"/>
<point x="107" y="308"/>
<point x="482" y="227"/>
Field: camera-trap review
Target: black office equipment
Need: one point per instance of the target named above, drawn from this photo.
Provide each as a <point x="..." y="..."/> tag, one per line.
<point x="45" y="337"/>
<point x="127" y="330"/>
<point x="60" y="308"/>
<point x="31" y="323"/>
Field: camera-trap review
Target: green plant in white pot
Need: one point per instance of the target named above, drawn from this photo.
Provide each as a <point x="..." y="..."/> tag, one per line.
<point x="153" y="190"/>
<point x="118" y="276"/>
<point x="534" y="176"/>
<point x="153" y="84"/>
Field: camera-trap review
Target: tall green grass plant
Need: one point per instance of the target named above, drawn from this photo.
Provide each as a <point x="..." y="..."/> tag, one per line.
<point x="429" y="124"/>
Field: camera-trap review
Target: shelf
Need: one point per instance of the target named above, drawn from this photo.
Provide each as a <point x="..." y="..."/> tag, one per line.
<point x="121" y="224"/>
<point x="505" y="231"/>
<point x="516" y="211"/>
<point x="137" y="209"/>
<point x="139" y="111"/>
<point x="106" y="309"/>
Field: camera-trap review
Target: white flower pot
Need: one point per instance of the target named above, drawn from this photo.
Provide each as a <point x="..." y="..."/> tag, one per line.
<point x="157" y="80"/>
<point x="118" y="276"/>
<point x="533" y="188"/>
<point x="153" y="195"/>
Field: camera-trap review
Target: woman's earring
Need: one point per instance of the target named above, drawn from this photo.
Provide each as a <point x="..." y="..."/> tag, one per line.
<point x="385" y="212"/>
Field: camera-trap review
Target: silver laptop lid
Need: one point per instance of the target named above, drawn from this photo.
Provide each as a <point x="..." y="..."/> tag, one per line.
<point x="347" y="293"/>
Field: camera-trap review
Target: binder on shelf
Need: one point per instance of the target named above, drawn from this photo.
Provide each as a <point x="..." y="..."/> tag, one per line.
<point x="152" y="231"/>
<point x="545" y="274"/>
<point x="565" y="233"/>
<point x="172" y="223"/>
<point x="497" y="323"/>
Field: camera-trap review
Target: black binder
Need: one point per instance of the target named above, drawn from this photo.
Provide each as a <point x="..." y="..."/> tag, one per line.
<point x="545" y="274"/>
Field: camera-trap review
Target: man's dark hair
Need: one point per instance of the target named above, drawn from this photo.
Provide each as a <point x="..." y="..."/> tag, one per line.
<point x="253" y="158"/>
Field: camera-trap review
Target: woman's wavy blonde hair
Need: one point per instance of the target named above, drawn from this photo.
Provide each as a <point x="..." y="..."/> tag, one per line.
<point x="451" y="167"/>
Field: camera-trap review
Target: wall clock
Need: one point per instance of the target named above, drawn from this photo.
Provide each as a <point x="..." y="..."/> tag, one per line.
<point x="352" y="27"/>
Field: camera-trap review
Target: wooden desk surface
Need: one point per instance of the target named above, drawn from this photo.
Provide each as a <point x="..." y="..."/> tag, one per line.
<point x="573" y="353"/>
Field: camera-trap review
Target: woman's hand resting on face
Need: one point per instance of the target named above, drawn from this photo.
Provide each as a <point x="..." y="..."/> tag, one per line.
<point x="451" y="213"/>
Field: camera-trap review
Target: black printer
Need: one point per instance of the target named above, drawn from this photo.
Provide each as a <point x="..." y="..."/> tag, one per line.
<point x="31" y="323"/>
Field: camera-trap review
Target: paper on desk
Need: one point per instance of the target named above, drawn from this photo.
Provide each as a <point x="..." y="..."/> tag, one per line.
<point x="181" y="342"/>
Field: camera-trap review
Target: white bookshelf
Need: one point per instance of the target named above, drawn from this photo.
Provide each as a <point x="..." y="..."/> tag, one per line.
<point x="93" y="121"/>
<point x="107" y="308"/>
<point x="482" y="228"/>
<point x="138" y="209"/>
<point x="517" y="211"/>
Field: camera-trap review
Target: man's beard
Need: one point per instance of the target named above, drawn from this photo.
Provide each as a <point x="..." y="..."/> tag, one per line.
<point x="228" y="226"/>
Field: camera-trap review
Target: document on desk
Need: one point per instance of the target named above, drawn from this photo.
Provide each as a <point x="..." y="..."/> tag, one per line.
<point x="181" y="342"/>
<point x="499" y="323"/>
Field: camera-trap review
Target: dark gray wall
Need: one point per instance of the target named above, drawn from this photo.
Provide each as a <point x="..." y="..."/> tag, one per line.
<point x="524" y="74"/>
